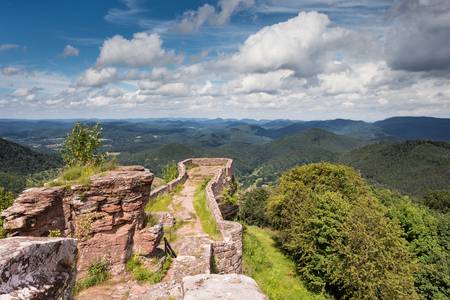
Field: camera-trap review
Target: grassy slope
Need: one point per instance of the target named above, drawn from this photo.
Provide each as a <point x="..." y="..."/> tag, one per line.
<point x="412" y="167"/>
<point x="273" y="271"/>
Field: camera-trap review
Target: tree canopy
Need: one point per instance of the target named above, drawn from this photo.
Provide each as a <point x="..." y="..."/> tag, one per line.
<point x="339" y="235"/>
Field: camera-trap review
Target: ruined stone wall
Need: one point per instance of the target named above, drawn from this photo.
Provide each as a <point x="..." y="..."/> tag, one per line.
<point x="182" y="177"/>
<point x="227" y="253"/>
<point x="107" y="217"/>
<point x="37" y="268"/>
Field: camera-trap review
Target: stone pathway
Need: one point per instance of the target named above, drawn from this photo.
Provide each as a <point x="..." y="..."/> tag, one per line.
<point x="192" y="246"/>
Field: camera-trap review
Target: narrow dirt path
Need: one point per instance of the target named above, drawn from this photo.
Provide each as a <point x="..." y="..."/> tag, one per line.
<point x="192" y="244"/>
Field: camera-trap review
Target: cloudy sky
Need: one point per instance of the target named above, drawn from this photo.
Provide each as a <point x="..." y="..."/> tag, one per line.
<point x="297" y="59"/>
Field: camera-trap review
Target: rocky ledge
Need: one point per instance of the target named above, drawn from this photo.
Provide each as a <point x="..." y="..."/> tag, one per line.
<point x="37" y="268"/>
<point x="106" y="217"/>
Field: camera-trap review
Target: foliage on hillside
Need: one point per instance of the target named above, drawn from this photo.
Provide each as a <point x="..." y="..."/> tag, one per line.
<point x="413" y="167"/>
<point x="329" y="223"/>
<point x="427" y="242"/>
<point x="252" y="207"/>
<point x="18" y="164"/>
<point x="6" y="200"/>
<point x="254" y="162"/>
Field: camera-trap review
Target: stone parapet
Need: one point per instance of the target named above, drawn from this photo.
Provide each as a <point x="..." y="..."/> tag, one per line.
<point x="227" y="253"/>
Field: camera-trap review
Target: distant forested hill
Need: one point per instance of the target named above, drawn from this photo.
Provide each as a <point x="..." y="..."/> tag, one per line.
<point x="263" y="162"/>
<point x="398" y="128"/>
<point x="413" y="167"/>
<point x="310" y="145"/>
<point x="357" y="129"/>
<point x="18" y="162"/>
<point x="415" y="128"/>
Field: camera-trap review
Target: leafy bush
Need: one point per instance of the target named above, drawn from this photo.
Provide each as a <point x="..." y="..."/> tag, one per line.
<point x="339" y="236"/>
<point x="170" y="172"/>
<point x="97" y="273"/>
<point x="6" y="200"/>
<point x="252" y="208"/>
<point x="81" y="146"/>
<point x="427" y="234"/>
<point x="438" y="200"/>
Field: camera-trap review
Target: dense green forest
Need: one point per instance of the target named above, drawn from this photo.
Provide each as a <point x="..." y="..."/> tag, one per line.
<point x="413" y="167"/>
<point x="19" y="164"/>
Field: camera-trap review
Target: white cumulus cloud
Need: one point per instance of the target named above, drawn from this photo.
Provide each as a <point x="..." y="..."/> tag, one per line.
<point x="305" y="44"/>
<point x="98" y="77"/>
<point x="143" y="49"/>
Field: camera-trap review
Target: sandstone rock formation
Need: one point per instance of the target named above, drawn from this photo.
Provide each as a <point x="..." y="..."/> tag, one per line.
<point x="226" y="287"/>
<point x="37" y="268"/>
<point x="106" y="217"/>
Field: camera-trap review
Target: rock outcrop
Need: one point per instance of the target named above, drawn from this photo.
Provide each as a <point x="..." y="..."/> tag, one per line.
<point x="226" y="287"/>
<point x="37" y="268"/>
<point x="106" y="217"/>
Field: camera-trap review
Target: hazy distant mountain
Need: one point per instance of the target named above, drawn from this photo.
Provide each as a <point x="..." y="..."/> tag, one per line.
<point x="399" y="128"/>
<point x="358" y="129"/>
<point x="416" y="128"/>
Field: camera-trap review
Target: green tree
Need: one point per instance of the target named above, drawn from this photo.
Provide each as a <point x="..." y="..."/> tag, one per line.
<point x="438" y="200"/>
<point x="170" y="172"/>
<point x="81" y="146"/>
<point x="339" y="235"/>
<point x="427" y="235"/>
<point x="6" y="200"/>
<point x="252" y="207"/>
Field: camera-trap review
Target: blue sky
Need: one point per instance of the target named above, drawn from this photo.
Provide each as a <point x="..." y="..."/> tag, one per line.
<point x="365" y="59"/>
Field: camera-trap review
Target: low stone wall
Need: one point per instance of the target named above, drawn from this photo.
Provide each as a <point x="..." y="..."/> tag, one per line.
<point x="227" y="253"/>
<point x="37" y="268"/>
<point x="182" y="177"/>
<point x="107" y="217"/>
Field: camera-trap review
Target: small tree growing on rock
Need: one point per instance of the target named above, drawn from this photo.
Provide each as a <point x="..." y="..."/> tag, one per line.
<point x="81" y="146"/>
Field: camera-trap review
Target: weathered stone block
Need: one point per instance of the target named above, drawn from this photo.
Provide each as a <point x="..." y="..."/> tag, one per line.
<point x="146" y="240"/>
<point x="37" y="268"/>
<point x="226" y="287"/>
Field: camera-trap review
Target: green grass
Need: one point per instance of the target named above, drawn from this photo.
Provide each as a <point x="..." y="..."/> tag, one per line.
<point x="274" y="272"/>
<point x="162" y="202"/>
<point x="80" y="174"/>
<point x="209" y="225"/>
<point x="142" y="274"/>
<point x="171" y="231"/>
<point x="97" y="273"/>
